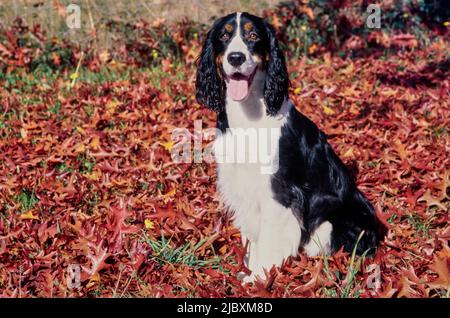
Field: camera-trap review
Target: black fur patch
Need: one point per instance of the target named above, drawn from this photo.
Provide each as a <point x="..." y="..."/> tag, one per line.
<point x="316" y="184"/>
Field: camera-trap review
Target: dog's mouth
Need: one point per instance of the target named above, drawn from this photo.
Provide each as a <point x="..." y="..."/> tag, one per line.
<point x="238" y="85"/>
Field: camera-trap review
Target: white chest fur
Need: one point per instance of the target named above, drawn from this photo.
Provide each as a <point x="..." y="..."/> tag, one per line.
<point x="244" y="167"/>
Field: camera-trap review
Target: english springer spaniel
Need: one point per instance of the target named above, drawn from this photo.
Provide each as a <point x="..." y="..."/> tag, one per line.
<point x="307" y="198"/>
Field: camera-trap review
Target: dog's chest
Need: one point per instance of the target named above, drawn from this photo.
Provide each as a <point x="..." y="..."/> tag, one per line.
<point x="244" y="190"/>
<point x="247" y="156"/>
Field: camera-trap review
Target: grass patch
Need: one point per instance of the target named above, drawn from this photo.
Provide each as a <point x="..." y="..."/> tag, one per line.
<point x="164" y="253"/>
<point x="353" y="270"/>
<point x="64" y="168"/>
<point x="422" y="226"/>
<point x="86" y="164"/>
<point x="27" y="200"/>
<point x="351" y="274"/>
<point x="54" y="109"/>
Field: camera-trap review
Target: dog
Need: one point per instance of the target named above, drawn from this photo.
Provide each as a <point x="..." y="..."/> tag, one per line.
<point x="307" y="198"/>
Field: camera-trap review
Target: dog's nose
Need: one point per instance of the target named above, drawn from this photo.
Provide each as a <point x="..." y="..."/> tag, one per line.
<point x="236" y="58"/>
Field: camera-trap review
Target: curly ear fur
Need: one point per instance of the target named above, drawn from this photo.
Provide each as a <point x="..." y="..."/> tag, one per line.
<point x="210" y="85"/>
<point x="277" y="79"/>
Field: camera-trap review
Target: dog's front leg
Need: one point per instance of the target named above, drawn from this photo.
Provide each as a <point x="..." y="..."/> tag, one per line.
<point x="250" y="252"/>
<point x="279" y="237"/>
<point x="250" y="259"/>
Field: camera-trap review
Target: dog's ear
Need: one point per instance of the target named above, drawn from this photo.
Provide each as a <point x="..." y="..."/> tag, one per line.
<point x="210" y="85"/>
<point x="277" y="79"/>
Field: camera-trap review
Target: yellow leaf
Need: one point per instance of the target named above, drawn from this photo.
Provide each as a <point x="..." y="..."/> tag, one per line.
<point x="119" y="182"/>
<point x="167" y="145"/>
<point x="80" y="148"/>
<point x="171" y="193"/>
<point x="81" y="130"/>
<point x="74" y="76"/>
<point x="23" y="133"/>
<point x="327" y="110"/>
<point x="29" y="216"/>
<point x="95" y="143"/>
<point x="297" y="90"/>
<point x="349" y="69"/>
<point x="112" y="105"/>
<point x="388" y="92"/>
<point x="154" y="54"/>
<point x="95" y="278"/>
<point x="348" y="153"/>
<point x="149" y="225"/>
<point x="104" y="56"/>
<point x="94" y="176"/>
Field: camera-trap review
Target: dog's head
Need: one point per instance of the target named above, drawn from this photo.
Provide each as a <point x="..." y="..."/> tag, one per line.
<point x="239" y="48"/>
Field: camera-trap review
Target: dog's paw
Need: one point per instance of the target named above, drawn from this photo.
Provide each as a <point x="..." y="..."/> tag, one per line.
<point x="241" y="276"/>
<point x="245" y="278"/>
<point x="248" y="279"/>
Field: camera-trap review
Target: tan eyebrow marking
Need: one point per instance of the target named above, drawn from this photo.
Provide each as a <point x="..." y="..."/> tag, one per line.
<point x="248" y="26"/>
<point x="229" y="27"/>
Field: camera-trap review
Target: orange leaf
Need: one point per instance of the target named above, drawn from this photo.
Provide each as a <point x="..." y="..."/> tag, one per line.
<point x="440" y="267"/>
<point x="29" y="215"/>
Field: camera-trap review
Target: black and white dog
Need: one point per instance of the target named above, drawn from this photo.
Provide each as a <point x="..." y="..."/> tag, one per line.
<point x="308" y="198"/>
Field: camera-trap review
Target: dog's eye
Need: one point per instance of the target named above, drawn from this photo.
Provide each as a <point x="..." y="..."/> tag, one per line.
<point x="253" y="36"/>
<point x="224" y="37"/>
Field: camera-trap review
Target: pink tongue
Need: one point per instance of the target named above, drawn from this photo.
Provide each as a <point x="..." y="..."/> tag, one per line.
<point x="237" y="89"/>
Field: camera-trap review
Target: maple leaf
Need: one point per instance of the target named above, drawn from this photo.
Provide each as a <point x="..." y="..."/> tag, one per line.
<point x="348" y="153"/>
<point x="445" y="184"/>
<point x="327" y="110"/>
<point x="120" y="213"/>
<point x="316" y="278"/>
<point x="95" y="143"/>
<point x="388" y="291"/>
<point x="400" y="148"/>
<point x="97" y="257"/>
<point x="168" y="145"/>
<point x="405" y="288"/>
<point x="441" y="268"/>
<point x="29" y="215"/>
<point x="431" y="201"/>
<point x="150" y="225"/>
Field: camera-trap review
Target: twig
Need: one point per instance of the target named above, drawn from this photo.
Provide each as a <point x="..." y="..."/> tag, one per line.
<point x="128" y="283"/>
<point x="91" y="20"/>
<point x="76" y="74"/>
<point x="117" y="284"/>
